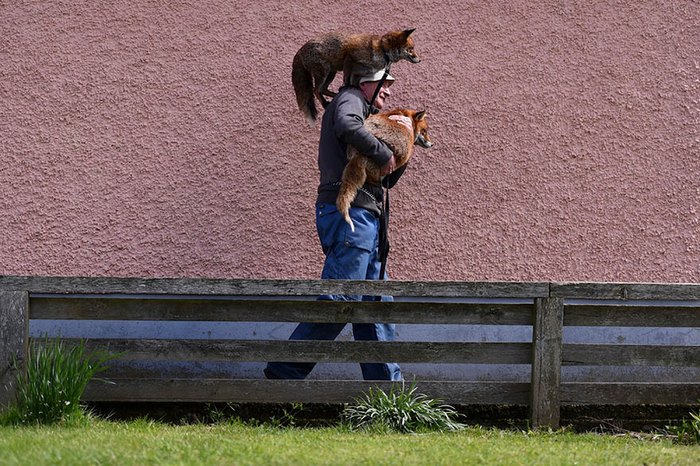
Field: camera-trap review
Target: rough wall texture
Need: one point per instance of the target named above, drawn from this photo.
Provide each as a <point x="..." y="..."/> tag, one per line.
<point x="154" y="138"/>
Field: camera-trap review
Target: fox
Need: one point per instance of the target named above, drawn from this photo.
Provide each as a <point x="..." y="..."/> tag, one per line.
<point x="361" y="169"/>
<point x="316" y="63"/>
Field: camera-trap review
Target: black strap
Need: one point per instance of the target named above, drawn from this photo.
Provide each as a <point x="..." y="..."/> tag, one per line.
<point x="384" y="245"/>
<point x="381" y="81"/>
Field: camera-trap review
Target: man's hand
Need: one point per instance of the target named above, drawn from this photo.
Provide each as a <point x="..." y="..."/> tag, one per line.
<point x="388" y="167"/>
<point x="404" y="120"/>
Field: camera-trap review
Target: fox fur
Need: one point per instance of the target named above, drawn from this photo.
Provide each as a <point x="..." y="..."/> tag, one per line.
<point x="361" y="169"/>
<point x="316" y="63"/>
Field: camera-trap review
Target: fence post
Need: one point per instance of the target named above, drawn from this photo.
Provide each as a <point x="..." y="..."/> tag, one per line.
<point x="14" y="330"/>
<point x="546" y="362"/>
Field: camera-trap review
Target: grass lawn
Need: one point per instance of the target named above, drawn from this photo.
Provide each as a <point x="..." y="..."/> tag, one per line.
<point x="144" y="442"/>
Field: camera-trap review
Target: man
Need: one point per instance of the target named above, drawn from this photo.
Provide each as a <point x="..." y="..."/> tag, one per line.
<point x="349" y="255"/>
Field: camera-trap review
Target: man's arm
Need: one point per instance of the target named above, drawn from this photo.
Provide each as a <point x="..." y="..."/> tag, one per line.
<point x="349" y="128"/>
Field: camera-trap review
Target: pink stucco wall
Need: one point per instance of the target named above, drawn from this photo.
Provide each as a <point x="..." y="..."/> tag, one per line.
<point x="161" y="138"/>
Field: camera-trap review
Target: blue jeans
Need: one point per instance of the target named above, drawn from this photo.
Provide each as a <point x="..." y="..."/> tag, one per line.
<point x="350" y="256"/>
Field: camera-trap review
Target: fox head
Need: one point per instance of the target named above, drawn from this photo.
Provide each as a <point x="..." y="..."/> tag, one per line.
<point x="398" y="45"/>
<point x="420" y="130"/>
<point x="420" y="125"/>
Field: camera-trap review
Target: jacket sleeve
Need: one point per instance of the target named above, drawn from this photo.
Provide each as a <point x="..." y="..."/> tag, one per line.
<point x="349" y="119"/>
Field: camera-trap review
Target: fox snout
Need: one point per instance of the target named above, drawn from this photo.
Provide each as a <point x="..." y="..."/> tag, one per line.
<point x="409" y="53"/>
<point x="423" y="141"/>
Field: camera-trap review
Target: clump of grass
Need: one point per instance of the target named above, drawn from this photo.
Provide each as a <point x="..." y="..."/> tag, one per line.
<point x="50" y="388"/>
<point x="688" y="431"/>
<point x="400" y="410"/>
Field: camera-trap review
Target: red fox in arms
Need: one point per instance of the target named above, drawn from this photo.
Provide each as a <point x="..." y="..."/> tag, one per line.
<point x="361" y="168"/>
<point x="317" y="62"/>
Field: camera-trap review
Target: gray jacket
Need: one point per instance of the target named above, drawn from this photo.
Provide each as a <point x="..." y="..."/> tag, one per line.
<point x="342" y="124"/>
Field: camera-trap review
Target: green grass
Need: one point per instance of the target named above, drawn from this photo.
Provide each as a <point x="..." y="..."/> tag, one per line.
<point x="144" y="442"/>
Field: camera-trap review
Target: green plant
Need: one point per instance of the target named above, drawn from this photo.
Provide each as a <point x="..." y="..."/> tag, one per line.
<point x="220" y="413"/>
<point x="688" y="431"/>
<point x="400" y="410"/>
<point x="288" y="417"/>
<point x="50" y="388"/>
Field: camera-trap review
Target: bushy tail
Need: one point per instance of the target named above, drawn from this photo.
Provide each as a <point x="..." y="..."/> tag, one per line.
<point x="354" y="176"/>
<point x="346" y="195"/>
<point x="304" y="89"/>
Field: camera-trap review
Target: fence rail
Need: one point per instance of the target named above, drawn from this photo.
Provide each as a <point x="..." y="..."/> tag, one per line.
<point x="547" y="307"/>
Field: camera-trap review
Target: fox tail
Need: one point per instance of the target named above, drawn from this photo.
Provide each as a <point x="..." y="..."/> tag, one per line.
<point x="304" y="89"/>
<point x="345" y="198"/>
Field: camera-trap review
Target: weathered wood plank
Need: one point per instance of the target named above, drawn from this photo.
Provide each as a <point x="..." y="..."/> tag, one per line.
<point x="287" y="391"/>
<point x="627" y="291"/>
<point x="631" y="316"/>
<point x="280" y="311"/>
<point x="191" y="286"/>
<point x="180" y="286"/>
<point x="630" y="355"/>
<point x="546" y="362"/>
<point x="312" y="351"/>
<point x="14" y="327"/>
<point x="627" y="393"/>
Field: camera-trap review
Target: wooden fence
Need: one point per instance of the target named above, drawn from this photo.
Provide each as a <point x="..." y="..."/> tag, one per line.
<point x="547" y="307"/>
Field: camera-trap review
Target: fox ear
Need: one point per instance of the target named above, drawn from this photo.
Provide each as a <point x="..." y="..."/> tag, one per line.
<point x="408" y="32"/>
<point x="420" y="115"/>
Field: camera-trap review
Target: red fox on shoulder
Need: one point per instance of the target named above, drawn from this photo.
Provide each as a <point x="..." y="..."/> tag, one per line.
<point x="361" y="169"/>
<point x="317" y="62"/>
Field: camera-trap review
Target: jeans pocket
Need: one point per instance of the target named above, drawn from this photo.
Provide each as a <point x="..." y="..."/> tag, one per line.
<point x="366" y="234"/>
<point x="332" y="228"/>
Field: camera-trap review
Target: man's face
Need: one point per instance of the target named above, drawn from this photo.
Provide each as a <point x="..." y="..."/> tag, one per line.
<point x="369" y="87"/>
